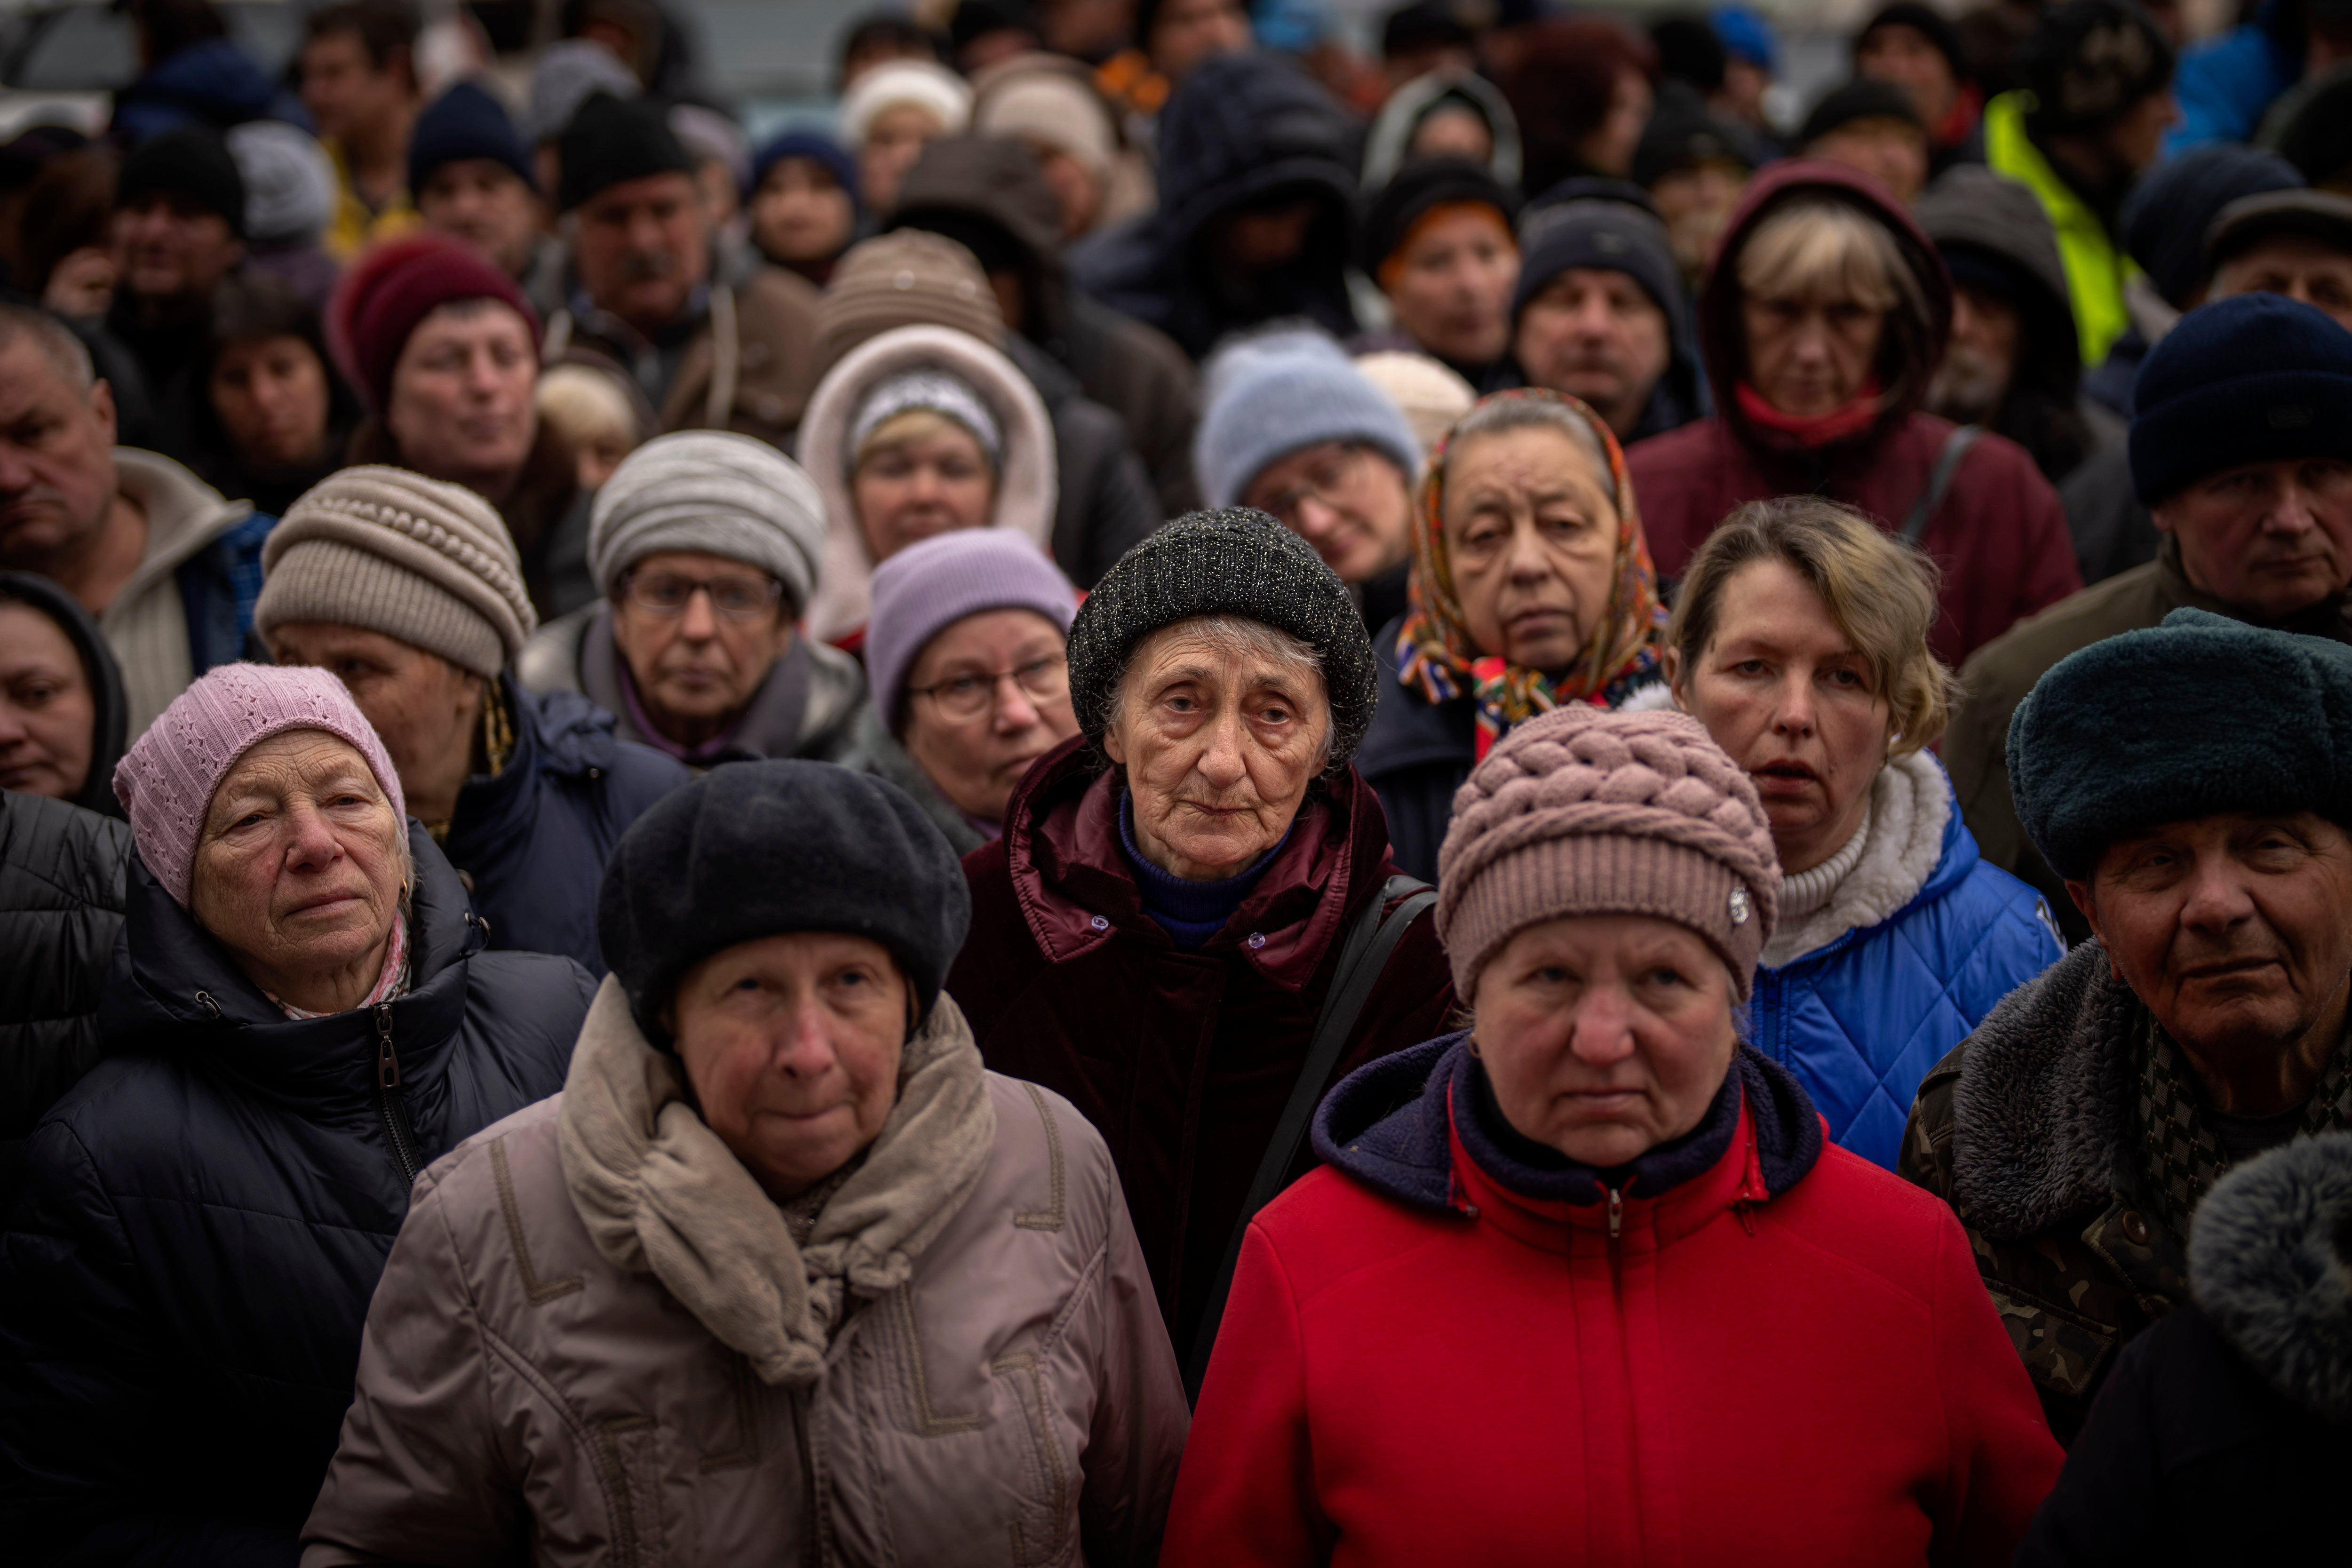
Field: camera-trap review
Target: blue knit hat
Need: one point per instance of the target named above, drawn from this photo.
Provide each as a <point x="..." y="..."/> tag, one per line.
<point x="817" y="148"/>
<point x="1267" y="396"/>
<point x="2253" y="379"/>
<point x="463" y="123"/>
<point x="2196" y="717"/>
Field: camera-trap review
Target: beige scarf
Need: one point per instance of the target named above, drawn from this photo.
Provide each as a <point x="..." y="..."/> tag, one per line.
<point x="662" y="1195"/>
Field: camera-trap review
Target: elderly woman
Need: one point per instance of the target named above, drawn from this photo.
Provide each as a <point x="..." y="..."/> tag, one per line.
<point x="1823" y="317"/>
<point x="1800" y="639"/>
<point x="969" y="651"/>
<point x="302" y="1017"/>
<point x="1596" y="1236"/>
<point x="63" y="716"/>
<point x="1156" y="933"/>
<point x="1531" y="588"/>
<point x="919" y="431"/>
<point x="891" y="114"/>
<point x="784" y="1271"/>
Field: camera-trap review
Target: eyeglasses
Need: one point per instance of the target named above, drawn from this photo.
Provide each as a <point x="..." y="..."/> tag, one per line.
<point x="736" y="598"/>
<point x="969" y="696"/>
<point x="1332" y="479"/>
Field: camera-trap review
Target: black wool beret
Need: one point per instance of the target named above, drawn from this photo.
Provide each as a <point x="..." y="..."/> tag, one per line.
<point x="2199" y="716"/>
<point x="756" y="849"/>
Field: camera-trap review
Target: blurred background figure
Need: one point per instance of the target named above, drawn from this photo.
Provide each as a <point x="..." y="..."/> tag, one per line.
<point x="63" y="716"/>
<point x="1423" y="38"/>
<point x="1582" y="91"/>
<point x="1053" y="107"/>
<point x="472" y="179"/>
<point x="276" y="417"/>
<point x="2230" y="84"/>
<point x="879" y="40"/>
<point x="64" y="240"/>
<point x="1694" y="163"/>
<point x="1873" y="126"/>
<point x="289" y="200"/>
<point x="1430" y="396"/>
<point x="358" y="80"/>
<point x="888" y="115"/>
<point x="191" y="72"/>
<point x="802" y="201"/>
<point x="1600" y="314"/>
<point x="1751" y="64"/>
<point x="596" y="413"/>
<point x="1442" y="114"/>
<point x="178" y="230"/>
<point x="1917" y="47"/>
<point x="1438" y="240"/>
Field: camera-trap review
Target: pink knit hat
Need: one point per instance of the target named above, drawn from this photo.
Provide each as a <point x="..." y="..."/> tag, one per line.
<point x="165" y="782"/>
<point x="1583" y="811"/>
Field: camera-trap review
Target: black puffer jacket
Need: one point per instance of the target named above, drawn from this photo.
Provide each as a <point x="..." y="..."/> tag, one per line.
<point x="60" y="906"/>
<point x="204" y="1217"/>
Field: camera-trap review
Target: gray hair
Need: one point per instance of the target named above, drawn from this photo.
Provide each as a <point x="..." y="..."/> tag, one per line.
<point x="1237" y="636"/>
<point x="54" y="338"/>
<point x="1496" y="415"/>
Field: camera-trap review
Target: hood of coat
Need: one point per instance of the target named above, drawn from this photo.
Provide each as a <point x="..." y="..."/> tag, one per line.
<point x="1243" y="126"/>
<point x="174" y="988"/>
<point x="110" y="719"/>
<point x="1391" y="1125"/>
<point x="184" y="515"/>
<point x="1408" y="106"/>
<point x="1077" y="893"/>
<point x="1977" y="215"/>
<point x="978" y="188"/>
<point x="1026" y="489"/>
<point x="1914" y="348"/>
<point x="2270" y="1262"/>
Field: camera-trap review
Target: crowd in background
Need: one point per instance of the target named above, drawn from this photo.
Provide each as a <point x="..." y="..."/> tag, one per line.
<point x="1178" y="795"/>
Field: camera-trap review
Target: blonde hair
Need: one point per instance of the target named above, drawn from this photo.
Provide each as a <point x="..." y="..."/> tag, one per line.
<point x="585" y="405"/>
<point x="1880" y="591"/>
<point x="1820" y="248"/>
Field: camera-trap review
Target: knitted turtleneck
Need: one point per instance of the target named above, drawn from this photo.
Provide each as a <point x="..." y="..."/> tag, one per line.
<point x="1804" y="891"/>
<point x="1190" y="913"/>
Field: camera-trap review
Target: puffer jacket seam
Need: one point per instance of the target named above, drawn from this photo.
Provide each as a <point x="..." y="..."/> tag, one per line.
<point x="1054" y="1465"/>
<point x="1054" y="1217"/>
<point x="1090" y="1280"/>
<point x="588" y="1442"/>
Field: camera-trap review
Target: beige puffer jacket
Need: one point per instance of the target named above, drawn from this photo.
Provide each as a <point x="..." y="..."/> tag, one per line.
<point x="596" y="1343"/>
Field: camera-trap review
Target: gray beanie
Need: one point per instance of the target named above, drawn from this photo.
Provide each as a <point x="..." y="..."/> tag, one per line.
<point x="715" y="492"/>
<point x="1235" y="561"/>
<point x="418" y="560"/>
<point x="1267" y="396"/>
<point x="569" y="73"/>
<point x="290" y="184"/>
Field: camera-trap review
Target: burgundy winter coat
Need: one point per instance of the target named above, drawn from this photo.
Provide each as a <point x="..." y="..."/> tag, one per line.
<point x="2000" y="533"/>
<point x="1183" y="1061"/>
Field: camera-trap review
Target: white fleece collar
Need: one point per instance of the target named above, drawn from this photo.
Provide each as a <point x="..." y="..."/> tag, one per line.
<point x="1903" y="841"/>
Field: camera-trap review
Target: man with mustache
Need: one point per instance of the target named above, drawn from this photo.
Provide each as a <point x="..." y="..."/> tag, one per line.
<point x="1600" y="314"/>
<point x="2189" y="783"/>
<point x="708" y="352"/>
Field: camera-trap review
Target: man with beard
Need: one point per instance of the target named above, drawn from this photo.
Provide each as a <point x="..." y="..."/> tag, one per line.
<point x="707" y="355"/>
<point x="179" y="229"/>
<point x="1600" y="314"/>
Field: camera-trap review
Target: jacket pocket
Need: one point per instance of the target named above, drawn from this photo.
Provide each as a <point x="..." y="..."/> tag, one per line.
<point x="1043" y="1535"/>
<point x="625" y="1452"/>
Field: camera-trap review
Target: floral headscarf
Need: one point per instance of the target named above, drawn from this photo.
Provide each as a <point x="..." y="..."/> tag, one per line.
<point x="1436" y="657"/>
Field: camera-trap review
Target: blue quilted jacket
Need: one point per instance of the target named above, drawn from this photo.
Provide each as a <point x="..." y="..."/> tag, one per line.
<point x="1860" y="1020"/>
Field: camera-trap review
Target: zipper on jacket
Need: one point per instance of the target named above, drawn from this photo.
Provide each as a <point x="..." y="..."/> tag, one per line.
<point x="1616" y="1211"/>
<point x="396" y="1130"/>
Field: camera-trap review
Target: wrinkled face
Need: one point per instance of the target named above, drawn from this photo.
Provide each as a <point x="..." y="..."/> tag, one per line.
<point x="1451" y="285"/>
<point x="927" y="484"/>
<point x="1892" y="151"/>
<point x="48" y="712"/>
<point x="461" y="407"/>
<point x="1974" y="378"/>
<point x="486" y="204"/>
<point x="298" y="865"/>
<point x="1219" y="746"/>
<point x="1351" y="503"/>
<point x="987" y="697"/>
<point x="642" y="247"/>
<point x="894" y="140"/>
<point x="167" y="247"/>
<point x="799" y="214"/>
<point x="343" y="89"/>
<point x="1902" y="54"/>
<point x="792" y="1044"/>
<point x="270" y="394"/>
<point x="1076" y="187"/>
<point x="1610" y="148"/>
<point x="699" y="663"/>
<point x="56" y="460"/>
<point x="2267" y="537"/>
<point x="2296" y="265"/>
<point x="1186" y="33"/>
<point x="1784" y="692"/>
<point x="423" y="708"/>
<point x="1598" y="336"/>
<point x="2236" y="931"/>
<point x="1605" y="1035"/>
<point x="1810" y="357"/>
<point x="1452" y="131"/>
<point x="1531" y="532"/>
<point x="1697" y="204"/>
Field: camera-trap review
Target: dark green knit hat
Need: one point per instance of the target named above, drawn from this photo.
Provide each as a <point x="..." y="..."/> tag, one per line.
<point x="2196" y="717"/>
<point x="1237" y="562"/>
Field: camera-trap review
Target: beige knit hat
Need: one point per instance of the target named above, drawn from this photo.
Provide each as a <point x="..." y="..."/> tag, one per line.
<point x="1583" y="811"/>
<point x="427" y="563"/>
<point x="908" y="278"/>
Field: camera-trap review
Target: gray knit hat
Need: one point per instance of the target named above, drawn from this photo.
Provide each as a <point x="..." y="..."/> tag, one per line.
<point x="424" y="561"/>
<point x="1235" y="561"/>
<point x="908" y="278"/>
<point x="715" y="492"/>
<point x="1267" y="396"/>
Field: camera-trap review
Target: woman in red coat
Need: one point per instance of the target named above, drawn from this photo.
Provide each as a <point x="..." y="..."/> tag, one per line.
<point x="1583" y="1283"/>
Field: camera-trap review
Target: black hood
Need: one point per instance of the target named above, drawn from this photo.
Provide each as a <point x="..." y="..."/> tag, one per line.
<point x="1247" y="126"/>
<point x="1983" y="224"/>
<point x="109" y="726"/>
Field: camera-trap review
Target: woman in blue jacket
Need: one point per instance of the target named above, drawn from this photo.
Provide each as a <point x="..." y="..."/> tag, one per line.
<point x="1800" y="639"/>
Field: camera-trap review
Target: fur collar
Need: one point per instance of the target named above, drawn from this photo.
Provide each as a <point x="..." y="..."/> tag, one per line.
<point x="2267" y="1263"/>
<point x="1910" y="805"/>
<point x="2037" y="1115"/>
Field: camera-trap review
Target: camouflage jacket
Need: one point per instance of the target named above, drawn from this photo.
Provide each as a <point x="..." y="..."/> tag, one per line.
<point x="2025" y="1129"/>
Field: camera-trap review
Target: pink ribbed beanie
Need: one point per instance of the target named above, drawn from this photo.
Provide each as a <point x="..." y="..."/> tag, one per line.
<point x="165" y="782"/>
<point x="1583" y="811"/>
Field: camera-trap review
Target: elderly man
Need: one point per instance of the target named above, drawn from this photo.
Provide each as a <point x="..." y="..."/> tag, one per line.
<point x="409" y="592"/>
<point x="2192" y="786"/>
<point x="2242" y="451"/>
<point x="707" y="354"/>
<point x="167" y="566"/>
<point x="178" y="229"/>
<point x="1599" y="313"/>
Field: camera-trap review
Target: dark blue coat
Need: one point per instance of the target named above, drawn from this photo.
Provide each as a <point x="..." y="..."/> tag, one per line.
<point x="1415" y="754"/>
<point x="1860" y="1020"/>
<point x="533" y="838"/>
<point x="204" y="1217"/>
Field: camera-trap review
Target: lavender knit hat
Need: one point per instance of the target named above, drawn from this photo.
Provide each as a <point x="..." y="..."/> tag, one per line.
<point x="927" y="587"/>
<point x="165" y="782"/>
<point x="1583" y="811"/>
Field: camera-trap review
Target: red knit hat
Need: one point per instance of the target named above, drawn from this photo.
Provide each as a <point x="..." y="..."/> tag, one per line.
<point x="386" y="292"/>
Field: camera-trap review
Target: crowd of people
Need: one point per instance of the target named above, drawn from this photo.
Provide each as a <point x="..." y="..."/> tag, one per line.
<point x="1175" y="797"/>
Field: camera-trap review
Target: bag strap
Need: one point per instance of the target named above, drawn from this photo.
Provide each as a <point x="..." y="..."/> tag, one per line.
<point x="1947" y="464"/>
<point x="1372" y="936"/>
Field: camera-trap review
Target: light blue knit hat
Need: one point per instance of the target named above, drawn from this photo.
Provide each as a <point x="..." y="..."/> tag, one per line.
<point x="1268" y="395"/>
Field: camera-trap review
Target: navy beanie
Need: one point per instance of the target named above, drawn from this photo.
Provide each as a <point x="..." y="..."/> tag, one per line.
<point x="2252" y="379"/>
<point x="2156" y="726"/>
<point x="817" y="149"/>
<point x="192" y="164"/>
<point x="1601" y="236"/>
<point x="466" y="122"/>
<point x="756" y="849"/>
<point x="2165" y="219"/>
<point x="611" y="141"/>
